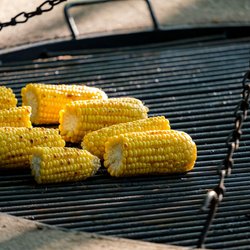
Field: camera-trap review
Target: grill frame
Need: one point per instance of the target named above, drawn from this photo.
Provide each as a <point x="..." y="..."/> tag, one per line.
<point x="160" y="191"/>
<point x="174" y="37"/>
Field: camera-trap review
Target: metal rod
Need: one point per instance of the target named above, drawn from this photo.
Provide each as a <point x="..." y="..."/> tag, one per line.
<point x="153" y="16"/>
<point x="71" y="22"/>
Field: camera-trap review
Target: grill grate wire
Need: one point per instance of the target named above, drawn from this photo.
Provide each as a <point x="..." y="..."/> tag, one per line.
<point x="197" y="87"/>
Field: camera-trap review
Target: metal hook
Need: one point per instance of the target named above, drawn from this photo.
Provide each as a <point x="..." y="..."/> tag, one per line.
<point x="209" y="197"/>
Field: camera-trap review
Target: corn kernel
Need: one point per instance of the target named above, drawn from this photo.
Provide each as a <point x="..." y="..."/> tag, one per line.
<point x="95" y="141"/>
<point x="17" y="143"/>
<point x="47" y="100"/>
<point x="82" y="117"/>
<point x="179" y="155"/>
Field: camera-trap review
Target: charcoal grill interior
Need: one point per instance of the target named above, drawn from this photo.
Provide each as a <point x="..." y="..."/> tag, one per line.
<point x="196" y="84"/>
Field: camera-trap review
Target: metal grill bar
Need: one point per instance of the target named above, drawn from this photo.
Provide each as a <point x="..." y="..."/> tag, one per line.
<point x="152" y="67"/>
<point x="197" y="86"/>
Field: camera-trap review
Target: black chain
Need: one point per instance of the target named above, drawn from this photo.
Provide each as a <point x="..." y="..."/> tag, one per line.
<point x="215" y="196"/>
<point x="23" y="17"/>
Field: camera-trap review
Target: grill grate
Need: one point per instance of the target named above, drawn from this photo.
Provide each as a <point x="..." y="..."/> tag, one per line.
<point x="197" y="86"/>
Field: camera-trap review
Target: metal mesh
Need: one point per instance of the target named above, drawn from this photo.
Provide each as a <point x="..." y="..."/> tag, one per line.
<point x="197" y="87"/>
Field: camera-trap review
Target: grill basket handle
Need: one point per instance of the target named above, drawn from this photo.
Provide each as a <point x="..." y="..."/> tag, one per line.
<point x="71" y="21"/>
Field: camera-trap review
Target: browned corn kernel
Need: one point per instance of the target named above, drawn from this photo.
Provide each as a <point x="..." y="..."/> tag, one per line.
<point x="53" y="165"/>
<point x="151" y="152"/>
<point x="16" y="144"/>
<point x="7" y="98"/>
<point x="16" y="117"/>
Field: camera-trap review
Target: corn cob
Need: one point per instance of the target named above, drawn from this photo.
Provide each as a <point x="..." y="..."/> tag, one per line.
<point x="95" y="141"/>
<point x="16" y="144"/>
<point x="47" y="100"/>
<point x="15" y="117"/>
<point x="81" y="117"/>
<point x="151" y="152"/>
<point x="7" y="98"/>
<point x="51" y="165"/>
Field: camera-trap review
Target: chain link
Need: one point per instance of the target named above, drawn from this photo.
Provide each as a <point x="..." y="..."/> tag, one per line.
<point x="215" y="196"/>
<point x="23" y="17"/>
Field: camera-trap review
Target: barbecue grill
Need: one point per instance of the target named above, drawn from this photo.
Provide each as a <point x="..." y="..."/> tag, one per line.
<point x="194" y="78"/>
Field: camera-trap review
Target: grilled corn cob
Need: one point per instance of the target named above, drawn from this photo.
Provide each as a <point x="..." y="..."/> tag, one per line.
<point x="47" y="100"/>
<point x="95" y="141"/>
<point x="15" y="117"/>
<point x="51" y="165"/>
<point x="7" y="98"/>
<point x="81" y="117"/>
<point x="151" y="152"/>
<point x="16" y="144"/>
